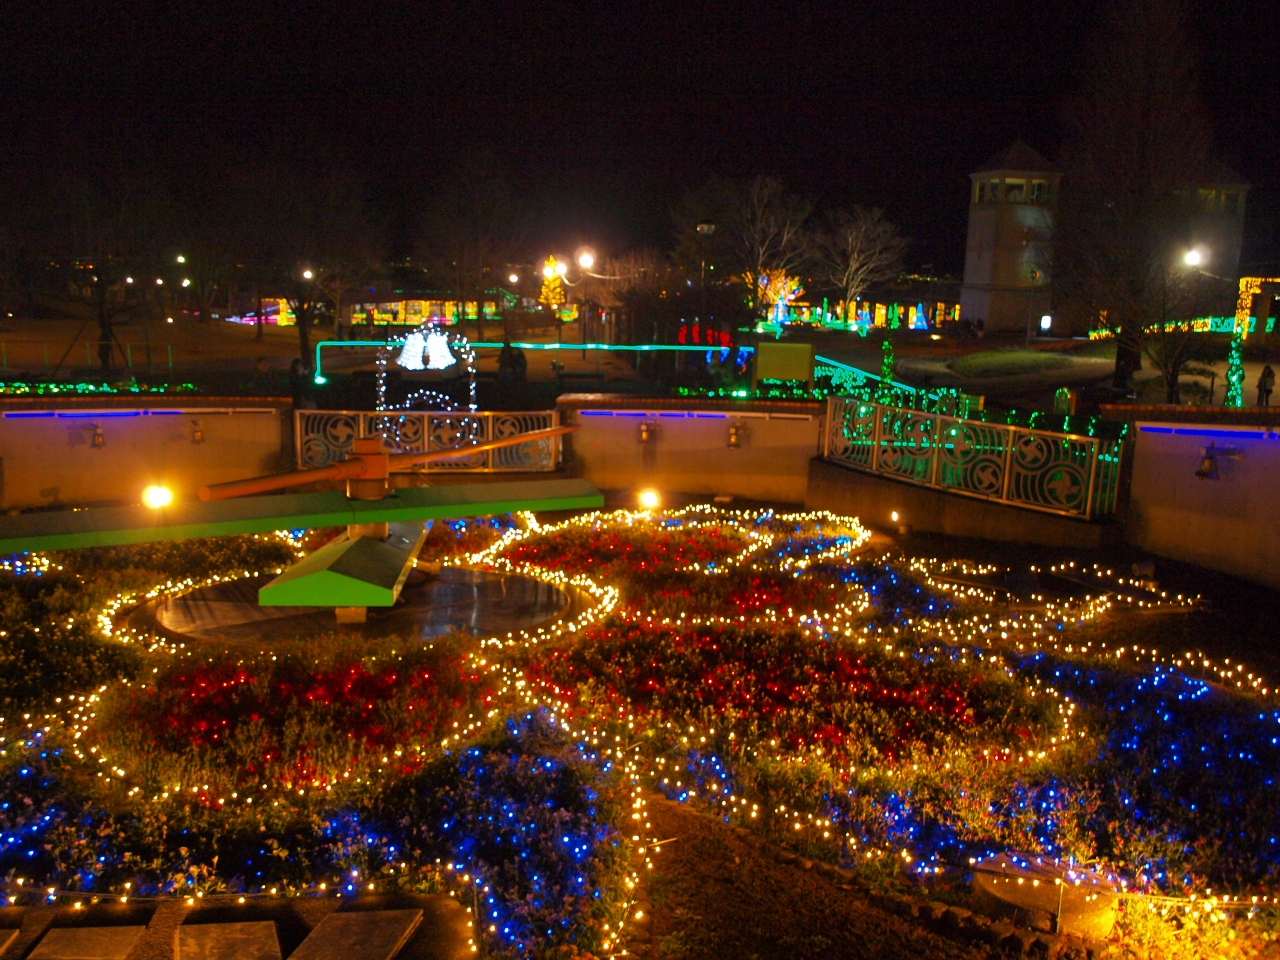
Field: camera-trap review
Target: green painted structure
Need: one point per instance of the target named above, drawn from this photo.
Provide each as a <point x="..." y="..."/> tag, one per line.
<point x="364" y="572"/>
<point x="113" y="526"/>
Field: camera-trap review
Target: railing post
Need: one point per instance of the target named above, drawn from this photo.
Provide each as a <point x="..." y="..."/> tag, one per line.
<point x="297" y="439"/>
<point x="1093" y="475"/>
<point x="1008" y="465"/>
<point x="826" y="434"/>
<point x="937" y="444"/>
<point x="875" y="437"/>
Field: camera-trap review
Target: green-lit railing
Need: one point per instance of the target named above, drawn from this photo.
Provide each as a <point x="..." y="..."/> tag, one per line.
<point x="1061" y="473"/>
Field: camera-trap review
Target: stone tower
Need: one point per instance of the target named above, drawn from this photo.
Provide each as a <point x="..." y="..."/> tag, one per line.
<point x="1007" y="255"/>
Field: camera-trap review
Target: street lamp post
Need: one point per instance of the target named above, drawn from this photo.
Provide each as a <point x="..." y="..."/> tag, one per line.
<point x="1234" y="395"/>
<point x="705" y="229"/>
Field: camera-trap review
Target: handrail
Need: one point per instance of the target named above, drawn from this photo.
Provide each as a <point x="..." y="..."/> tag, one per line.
<point x="1031" y="468"/>
<point x="366" y="467"/>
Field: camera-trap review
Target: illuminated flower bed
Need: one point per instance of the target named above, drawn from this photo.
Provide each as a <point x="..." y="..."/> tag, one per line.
<point x="875" y="714"/>
<point x="894" y="717"/>
<point x="335" y="766"/>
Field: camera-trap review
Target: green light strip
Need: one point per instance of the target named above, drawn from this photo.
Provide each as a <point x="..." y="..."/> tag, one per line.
<point x="639" y="348"/>
<point x="893" y="383"/>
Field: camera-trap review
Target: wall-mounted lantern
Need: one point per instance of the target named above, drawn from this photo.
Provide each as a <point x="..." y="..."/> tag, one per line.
<point x="197" y="432"/>
<point x="648" y="431"/>
<point x="98" y="440"/>
<point x="1209" y="458"/>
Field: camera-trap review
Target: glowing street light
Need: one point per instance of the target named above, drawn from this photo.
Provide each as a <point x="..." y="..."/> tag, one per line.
<point x="186" y="282"/>
<point x="649" y="499"/>
<point x="586" y="260"/>
<point x="157" y="497"/>
<point x="159" y="281"/>
<point x="561" y="267"/>
<point x="514" y="278"/>
<point x="307" y="274"/>
<point x="181" y="258"/>
<point x="1193" y="258"/>
<point x="128" y="279"/>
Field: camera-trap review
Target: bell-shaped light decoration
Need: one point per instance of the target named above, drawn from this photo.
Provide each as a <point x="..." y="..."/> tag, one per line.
<point x="438" y="355"/>
<point x="411" y="356"/>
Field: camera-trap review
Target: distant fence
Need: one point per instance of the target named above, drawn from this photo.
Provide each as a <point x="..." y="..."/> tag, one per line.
<point x="1061" y="473"/>
<point x="137" y="356"/>
<point x="326" y="436"/>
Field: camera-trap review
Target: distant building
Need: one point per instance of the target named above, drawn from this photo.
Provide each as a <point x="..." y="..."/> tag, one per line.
<point x="1007" y="256"/>
<point x="1217" y="228"/>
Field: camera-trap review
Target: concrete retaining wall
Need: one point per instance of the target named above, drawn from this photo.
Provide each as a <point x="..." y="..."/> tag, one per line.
<point x="688" y="451"/>
<point x="1231" y="523"/>
<point x="874" y="499"/>
<point x="47" y="457"/>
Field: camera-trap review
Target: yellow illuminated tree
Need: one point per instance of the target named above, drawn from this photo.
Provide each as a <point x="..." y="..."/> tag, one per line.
<point x="777" y="289"/>
<point x="552" y="295"/>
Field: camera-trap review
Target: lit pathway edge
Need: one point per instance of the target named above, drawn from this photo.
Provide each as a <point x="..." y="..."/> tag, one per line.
<point x="115" y="526"/>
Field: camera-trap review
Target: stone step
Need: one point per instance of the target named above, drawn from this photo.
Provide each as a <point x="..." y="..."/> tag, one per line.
<point x="254" y="940"/>
<point x="359" y="935"/>
<point x="87" y="943"/>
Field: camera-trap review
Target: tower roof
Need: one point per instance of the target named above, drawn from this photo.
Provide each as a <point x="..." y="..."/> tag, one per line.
<point x="1019" y="157"/>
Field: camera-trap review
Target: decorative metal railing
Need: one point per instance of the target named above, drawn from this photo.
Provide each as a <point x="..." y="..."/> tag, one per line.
<point x="1060" y="473"/>
<point x="325" y="436"/>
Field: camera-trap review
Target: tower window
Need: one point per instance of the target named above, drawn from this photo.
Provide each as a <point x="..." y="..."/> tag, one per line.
<point x="1231" y="204"/>
<point x="1039" y="191"/>
<point x="980" y="192"/>
<point x="1014" y="190"/>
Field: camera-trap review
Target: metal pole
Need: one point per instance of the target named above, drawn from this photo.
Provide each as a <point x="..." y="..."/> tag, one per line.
<point x="169" y="348"/>
<point x="88" y="356"/>
<point x="128" y="355"/>
<point x="4" y="349"/>
<point x="46" y="356"/>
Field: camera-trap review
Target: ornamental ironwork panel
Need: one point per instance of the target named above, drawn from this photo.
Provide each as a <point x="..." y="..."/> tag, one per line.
<point x="327" y="436"/>
<point x="971" y="456"/>
<point x="1051" y="471"/>
<point x="851" y="431"/>
<point x="1036" y="469"/>
<point x="906" y="445"/>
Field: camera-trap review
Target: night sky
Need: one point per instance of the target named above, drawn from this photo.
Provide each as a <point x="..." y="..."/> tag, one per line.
<point x="602" y="114"/>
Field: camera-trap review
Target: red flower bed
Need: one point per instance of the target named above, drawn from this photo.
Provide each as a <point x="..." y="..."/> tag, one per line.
<point x="783" y="684"/>
<point x="287" y="720"/>
<point x="605" y="550"/>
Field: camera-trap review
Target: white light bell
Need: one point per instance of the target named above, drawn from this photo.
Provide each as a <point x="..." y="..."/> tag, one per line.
<point x="411" y="356"/>
<point x="438" y="355"/>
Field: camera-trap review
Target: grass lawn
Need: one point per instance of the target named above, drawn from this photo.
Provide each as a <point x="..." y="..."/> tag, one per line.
<point x="1006" y="363"/>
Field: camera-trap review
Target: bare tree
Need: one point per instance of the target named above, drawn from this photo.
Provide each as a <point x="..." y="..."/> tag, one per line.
<point x="768" y="228"/>
<point x="472" y="228"/>
<point x="1136" y="150"/>
<point x="103" y="235"/>
<point x="758" y="226"/>
<point x="859" y="249"/>
<point x="325" y="239"/>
